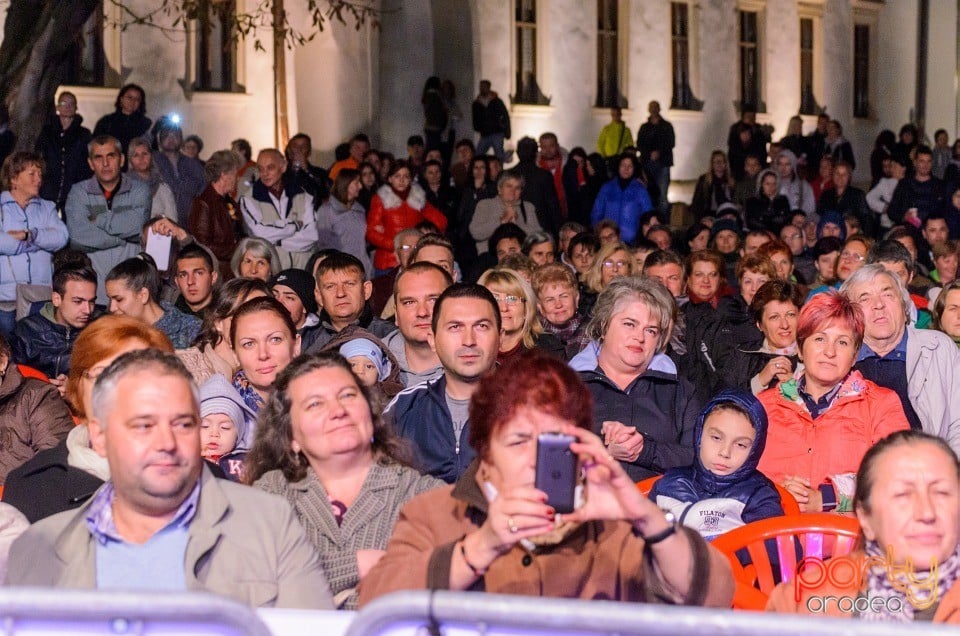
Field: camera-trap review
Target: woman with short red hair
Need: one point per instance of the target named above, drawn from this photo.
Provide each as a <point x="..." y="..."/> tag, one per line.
<point x="825" y="418"/>
<point x="494" y="531"/>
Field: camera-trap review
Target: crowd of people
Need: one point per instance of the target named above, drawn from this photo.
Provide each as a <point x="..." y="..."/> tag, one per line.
<point x="303" y="387"/>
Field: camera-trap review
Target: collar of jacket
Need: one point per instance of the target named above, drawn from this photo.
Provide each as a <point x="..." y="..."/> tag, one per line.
<point x="363" y="320"/>
<point x="852" y="388"/>
<point x="260" y="192"/>
<point x="75" y="546"/>
<point x="661" y="367"/>
<point x="93" y="186"/>
<point x="416" y="199"/>
<point x="468" y="491"/>
<point x="382" y="476"/>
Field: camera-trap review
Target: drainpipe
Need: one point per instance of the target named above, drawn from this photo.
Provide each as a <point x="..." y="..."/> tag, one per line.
<point x="923" y="24"/>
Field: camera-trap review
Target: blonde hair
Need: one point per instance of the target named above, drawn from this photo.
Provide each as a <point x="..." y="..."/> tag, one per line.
<point x="514" y="284"/>
<point x="592" y="279"/>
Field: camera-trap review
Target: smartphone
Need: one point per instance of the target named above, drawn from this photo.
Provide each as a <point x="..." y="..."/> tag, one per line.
<point x="557" y="470"/>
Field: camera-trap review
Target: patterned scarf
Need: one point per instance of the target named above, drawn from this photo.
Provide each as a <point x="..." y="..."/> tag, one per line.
<point x="571" y="334"/>
<point x="913" y="589"/>
<point x="247" y="392"/>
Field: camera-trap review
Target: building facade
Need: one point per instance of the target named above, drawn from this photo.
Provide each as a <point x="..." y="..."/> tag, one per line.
<point x="558" y="64"/>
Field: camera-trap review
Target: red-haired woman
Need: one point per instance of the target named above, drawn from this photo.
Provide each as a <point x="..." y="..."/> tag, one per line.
<point x="825" y="418"/>
<point x="486" y="531"/>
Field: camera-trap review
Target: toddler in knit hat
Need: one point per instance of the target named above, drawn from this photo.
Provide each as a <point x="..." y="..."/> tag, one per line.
<point x="367" y="359"/>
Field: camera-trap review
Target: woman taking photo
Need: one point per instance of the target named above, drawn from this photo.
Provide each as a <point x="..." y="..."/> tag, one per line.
<point x="211" y="351"/>
<point x="140" y="160"/>
<point x="484" y="532"/>
<point x="907" y="502"/>
<point x="506" y="207"/>
<point x="255" y="258"/>
<point x="762" y="363"/>
<point x="824" y="418"/>
<point x="265" y="340"/>
<point x="623" y="200"/>
<point x="320" y="447"/>
<point x="520" y="329"/>
<point x="65" y="476"/>
<point x="398" y="205"/>
<point x="30" y="232"/>
<point x="214" y="219"/>
<point x="342" y="222"/>
<point x="643" y="409"/>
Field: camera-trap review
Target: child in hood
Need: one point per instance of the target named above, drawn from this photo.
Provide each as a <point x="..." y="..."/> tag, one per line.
<point x="370" y="365"/>
<point x="723" y="489"/>
<point x="227" y="426"/>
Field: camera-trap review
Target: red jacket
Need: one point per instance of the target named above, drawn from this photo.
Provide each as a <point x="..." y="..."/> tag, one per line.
<point x="862" y="414"/>
<point x="389" y="214"/>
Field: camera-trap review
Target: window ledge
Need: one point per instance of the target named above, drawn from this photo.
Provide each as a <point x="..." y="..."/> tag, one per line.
<point x="603" y="113"/>
<point x="532" y="110"/>
<point x="683" y="115"/>
<point x="215" y="98"/>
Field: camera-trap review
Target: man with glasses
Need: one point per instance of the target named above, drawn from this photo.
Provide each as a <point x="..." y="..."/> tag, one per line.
<point x="853" y="256"/>
<point x="921" y="365"/>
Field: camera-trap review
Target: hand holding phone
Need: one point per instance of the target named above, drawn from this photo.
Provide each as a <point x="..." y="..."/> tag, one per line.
<point x="557" y="470"/>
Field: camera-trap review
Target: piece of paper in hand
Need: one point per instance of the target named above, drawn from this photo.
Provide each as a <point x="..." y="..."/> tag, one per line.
<point x="158" y="247"/>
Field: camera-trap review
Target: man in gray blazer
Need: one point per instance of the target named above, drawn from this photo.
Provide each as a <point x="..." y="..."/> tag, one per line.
<point x="163" y="522"/>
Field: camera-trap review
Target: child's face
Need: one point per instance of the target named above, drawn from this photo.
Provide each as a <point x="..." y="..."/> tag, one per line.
<point x="218" y="435"/>
<point x="727" y="439"/>
<point x="365" y="369"/>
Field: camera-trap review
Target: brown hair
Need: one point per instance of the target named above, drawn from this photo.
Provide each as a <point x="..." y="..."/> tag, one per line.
<point x="17" y="163"/>
<point x="271" y="448"/>
<point x="711" y="256"/>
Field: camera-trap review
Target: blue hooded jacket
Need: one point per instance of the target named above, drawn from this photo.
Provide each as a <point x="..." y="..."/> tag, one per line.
<point x="712" y="504"/>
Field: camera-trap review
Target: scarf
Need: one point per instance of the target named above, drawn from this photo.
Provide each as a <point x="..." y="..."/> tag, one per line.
<point x="570" y="333"/>
<point x="80" y="455"/>
<point x="250" y="397"/>
<point x="914" y="592"/>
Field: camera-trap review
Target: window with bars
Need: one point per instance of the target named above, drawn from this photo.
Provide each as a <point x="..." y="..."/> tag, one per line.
<point x="861" y="70"/>
<point x="216" y="51"/>
<point x="808" y="103"/>
<point x="86" y="61"/>
<point x="682" y="97"/>
<point x="749" y="45"/>
<point x="527" y="87"/>
<point x="609" y="94"/>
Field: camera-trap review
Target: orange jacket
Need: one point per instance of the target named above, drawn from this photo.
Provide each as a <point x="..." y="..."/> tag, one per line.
<point x="389" y="214"/>
<point x="862" y="414"/>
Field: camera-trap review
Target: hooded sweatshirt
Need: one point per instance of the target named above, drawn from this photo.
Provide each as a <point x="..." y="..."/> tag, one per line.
<point x="217" y="395"/>
<point x="797" y="190"/>
<point x="713" y="504"/>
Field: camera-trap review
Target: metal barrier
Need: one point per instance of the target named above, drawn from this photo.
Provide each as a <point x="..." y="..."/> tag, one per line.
<point x="408" y="613"/>
<point x="25" y="610"/>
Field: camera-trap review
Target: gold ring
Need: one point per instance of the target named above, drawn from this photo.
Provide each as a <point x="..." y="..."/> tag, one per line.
<point x="513" y="527"/>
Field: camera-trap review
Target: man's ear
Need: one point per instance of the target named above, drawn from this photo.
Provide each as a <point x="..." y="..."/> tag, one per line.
<point x="432" y="341"/>
<point x="367" y="289"/>
<point x="98" y="441"/>
<point x="56" y="299"/>
<point x="214" y="277"/>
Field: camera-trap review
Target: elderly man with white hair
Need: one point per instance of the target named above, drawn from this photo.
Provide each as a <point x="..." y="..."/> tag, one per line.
<point x="922" y="366"/>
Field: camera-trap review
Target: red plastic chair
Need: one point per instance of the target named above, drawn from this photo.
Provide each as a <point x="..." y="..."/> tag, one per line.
<point x="787" y="501"/>
<point x="820" y="535"/>
<point x="30" y="372"/>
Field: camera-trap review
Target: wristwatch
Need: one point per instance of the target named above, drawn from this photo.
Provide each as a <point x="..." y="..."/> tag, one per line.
<point x="669" y="531"/>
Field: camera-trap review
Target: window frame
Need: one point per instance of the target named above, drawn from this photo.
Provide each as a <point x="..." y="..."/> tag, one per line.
<point x="757" y="7"/>
<point x="519" y="95"/>
<point x="198" y="51"/>
<point x="620" y="41"/>
<point x="811" y="10"/>
<point x="682" y="96"/>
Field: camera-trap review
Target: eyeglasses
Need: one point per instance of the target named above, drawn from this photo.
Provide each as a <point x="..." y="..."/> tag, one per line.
<point x="617" y="264"/>
<point x="851" y="256"/>
<point x="508" y="300"/>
